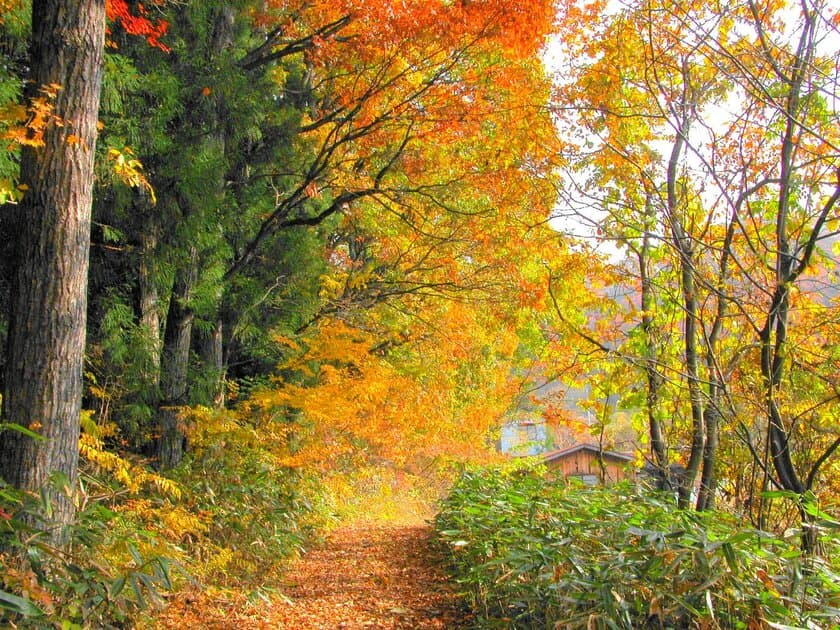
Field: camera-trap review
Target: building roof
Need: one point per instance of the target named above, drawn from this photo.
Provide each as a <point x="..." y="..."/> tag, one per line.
<point x="555" y="455"/>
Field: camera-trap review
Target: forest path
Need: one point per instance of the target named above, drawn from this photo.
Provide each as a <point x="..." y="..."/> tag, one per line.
<point x="365" y="575"/>
<point x="370" y="576"/>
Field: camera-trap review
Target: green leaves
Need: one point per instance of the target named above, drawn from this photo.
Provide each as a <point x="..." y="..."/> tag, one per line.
<point x="19" y="605"/>
<point x="537" y="553"/>
<point x="13" y="426"/>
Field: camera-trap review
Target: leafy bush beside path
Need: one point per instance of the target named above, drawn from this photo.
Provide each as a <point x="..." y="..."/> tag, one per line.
<point x="530" y="552"/>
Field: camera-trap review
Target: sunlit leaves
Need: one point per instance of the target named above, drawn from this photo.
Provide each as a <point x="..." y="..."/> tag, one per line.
<point x="136" y="21"/>
<point x="129" y="170"/>
<point x="436" y="395"/>
<point x="705" y="139"/>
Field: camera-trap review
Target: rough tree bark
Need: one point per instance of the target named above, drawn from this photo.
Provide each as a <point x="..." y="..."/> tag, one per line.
<point x="175" y="363"/>
<point x="45" y="346"/>
<point x="148" y="302"/>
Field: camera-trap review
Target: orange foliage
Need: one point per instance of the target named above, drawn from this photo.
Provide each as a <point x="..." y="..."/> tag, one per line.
<point x="26" y="124"/>
<point x="420" y="402"/>
<point x="137" y="22"/>
<point x="438" y="110"/>
<point x="7" y="6"/>
<point x="459" y="83"/>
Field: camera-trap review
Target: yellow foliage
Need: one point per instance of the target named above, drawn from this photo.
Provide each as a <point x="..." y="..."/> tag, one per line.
<point x="283" y="340"/>
<point x="129" y="170"/>
<point x="25" y="124"/>
<point x="172" y="520"/>
<point x="176" y="522"/>
<point x="385" y="494"/>
<point x="365" y="406"/>
<point x="208" y="427"/>
<point x="331" y="287"/>
<point x="218" y="562"/>
<point x="7" y="6"/>
<point x="11" y="193"/>
<point x="132" y="477"/>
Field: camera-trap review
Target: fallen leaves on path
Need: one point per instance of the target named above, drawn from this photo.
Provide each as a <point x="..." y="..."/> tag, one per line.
<point x="366" y="576"/>
<point x="371" y="577"/>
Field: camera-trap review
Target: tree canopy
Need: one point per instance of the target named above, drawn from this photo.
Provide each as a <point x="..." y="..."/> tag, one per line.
<point x="299" y="240"/>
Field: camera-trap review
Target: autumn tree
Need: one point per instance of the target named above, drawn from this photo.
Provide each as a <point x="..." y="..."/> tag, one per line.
<point x="726" y="233"/>
<point x="641" y="95"/>
<point x="793" y="191"/>
<point x="344" y="138"/>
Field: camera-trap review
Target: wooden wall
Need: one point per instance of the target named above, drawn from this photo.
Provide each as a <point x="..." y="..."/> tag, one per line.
<point x="585" y="463"/>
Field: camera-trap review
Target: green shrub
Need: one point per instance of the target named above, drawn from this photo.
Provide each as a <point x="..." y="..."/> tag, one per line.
<point x="256" y="512"/>
<point x="73" y="587"/>
<point x="227" y="515"/>
<point x="535" y="553"/>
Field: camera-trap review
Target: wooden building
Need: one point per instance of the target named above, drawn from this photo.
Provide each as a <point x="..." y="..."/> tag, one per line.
<point x="582" y="461"/>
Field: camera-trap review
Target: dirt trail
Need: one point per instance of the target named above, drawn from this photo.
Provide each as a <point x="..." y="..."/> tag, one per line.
<point x="363" y="576"/>
<point x="370" y="576"/>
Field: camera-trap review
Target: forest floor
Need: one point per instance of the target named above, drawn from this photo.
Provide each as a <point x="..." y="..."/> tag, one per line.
<point x="365" y="575"/>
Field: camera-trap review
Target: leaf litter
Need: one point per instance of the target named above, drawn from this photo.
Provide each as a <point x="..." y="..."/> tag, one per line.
<point x="364" y="576"/>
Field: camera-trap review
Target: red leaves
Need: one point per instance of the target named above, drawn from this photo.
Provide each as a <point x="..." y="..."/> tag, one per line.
<point x="138" y="24"/>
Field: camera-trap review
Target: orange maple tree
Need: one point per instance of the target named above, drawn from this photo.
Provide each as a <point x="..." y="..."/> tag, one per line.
<point x="431" y="135"/>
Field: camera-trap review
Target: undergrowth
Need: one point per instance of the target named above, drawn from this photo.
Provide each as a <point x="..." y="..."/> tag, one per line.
<point x="530" y="552"/>
<point x="228" y="516"/>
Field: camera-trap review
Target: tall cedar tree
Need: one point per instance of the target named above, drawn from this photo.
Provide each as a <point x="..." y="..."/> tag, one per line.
<point x="43" y="381"/>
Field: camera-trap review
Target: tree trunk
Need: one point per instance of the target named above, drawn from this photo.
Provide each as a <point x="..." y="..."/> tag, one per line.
<point x="717" y="381"/>
<point x="149" y="296"/>
<point x="148" y="303"/>
<point x="45" y="347"/>
<point x="685" y="250"/>
<point x="655" y="380"/>
<point x="708" y="478"/>
<point x="211" y="352"/>
<point x="175" y="362"/>
<point x="698" y="429"/>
